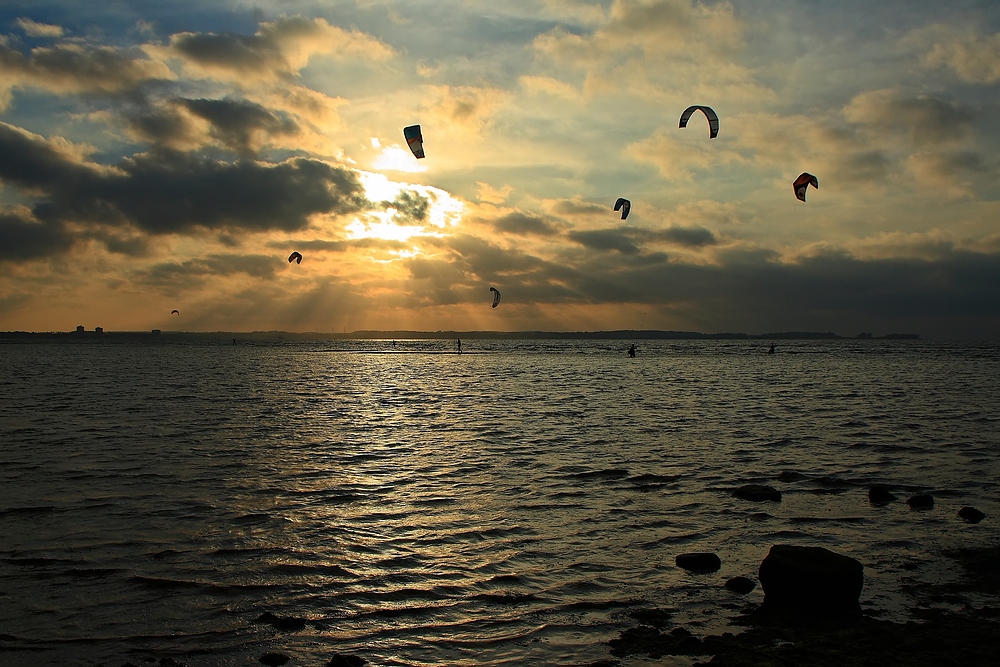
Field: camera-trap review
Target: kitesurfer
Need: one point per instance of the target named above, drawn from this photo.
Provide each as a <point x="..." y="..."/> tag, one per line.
<point x="631" y="350"/>
<point x="770" y="350"/>
<point x="460" y="346"/>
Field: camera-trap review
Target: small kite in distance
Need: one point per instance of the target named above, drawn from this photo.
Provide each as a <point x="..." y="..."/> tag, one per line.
<point x="802" y="183"/>
<point x="625" y="205"/>
<point x="175" y="312"/>
<point x="496" y="296"/>
<point x="296" y="257"/>
<point x="415" y="140"/>
<point x="713" y="119"/>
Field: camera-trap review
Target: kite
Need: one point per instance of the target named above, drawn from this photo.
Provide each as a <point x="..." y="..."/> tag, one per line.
<point x="296" y="257"/>
<point x="415" y="140"/>
<point x="625" y="205"/>
<point x="802" y="183"/>
<point x="713" y="119"/>
<point x="496" y="296"/>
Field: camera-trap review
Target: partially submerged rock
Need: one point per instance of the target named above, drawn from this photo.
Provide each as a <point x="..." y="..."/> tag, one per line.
<point x="757" y="492"/>
<point x="702" y="563"/>
<point x="971" y="514"/>
<point x="879" y="494"/>
<point x="810" y="580"/>
<point x="920" y="502"/>
<point x="346" y="660"/>
<point x="741" y="585"/>
<point x="274" y="659"/>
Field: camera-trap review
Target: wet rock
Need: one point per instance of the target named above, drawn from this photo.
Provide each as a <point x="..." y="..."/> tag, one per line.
<point x="757" y="492"/>
<point x="923" y="501"/>
<point x="651" y="642"/>
<point x="790" y="476"/>
<point x="657" y="618"/>
<point x="345" y="660"/>
<point x="170" y="662"/>
<point x="879" y="494"/>
<point x="283" y="623"/>
<point x="741" y="585"/>
<point x="812" y="580"/>
<point x="699" y="562"/>
<point x="971" y="514"/>
<point x="274" y="659"/>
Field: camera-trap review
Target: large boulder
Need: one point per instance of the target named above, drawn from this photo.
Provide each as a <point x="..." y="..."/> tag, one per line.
<point x="741" y="585"/>
<point x="921" y="502"/>
<point x="879" y="494"/>
<point x="971" y="514"/>
<point x="701" y="563"/>
<point x="810" y="580"/>
<point x="757" y="492"/>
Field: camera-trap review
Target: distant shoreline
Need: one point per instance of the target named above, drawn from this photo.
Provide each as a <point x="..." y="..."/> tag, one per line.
<point x="621" y="334"/>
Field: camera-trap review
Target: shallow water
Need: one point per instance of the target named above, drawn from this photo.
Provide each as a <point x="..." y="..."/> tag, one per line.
<point x="506" y="506"/>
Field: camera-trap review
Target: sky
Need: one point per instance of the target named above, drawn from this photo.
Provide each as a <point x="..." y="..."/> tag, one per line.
<point x="171" y="155"/>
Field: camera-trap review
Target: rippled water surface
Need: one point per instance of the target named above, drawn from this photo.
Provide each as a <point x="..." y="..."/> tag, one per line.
<point x="506" y="506"/>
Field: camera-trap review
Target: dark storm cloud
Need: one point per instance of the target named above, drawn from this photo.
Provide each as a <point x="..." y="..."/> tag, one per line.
<point x="571" y="207"/>
<point x="234" y="122"/>
<point x="193" y="271"/>
<point x="167" y="191"/>
<point x="239" y="125"/>
<point x="22" y="239"/>
<point x="628" y="240"/>
<point x="606" y="239"/>
<point x="160" y="126"/>
<point x="411" y="207"/>
<point x="238" y="52"/>
<point x="689" y="237"/>
<point x="524" y="225"/>
<point x="81" y="68"/>
<point x="752" y="291"/>
<point x="33" y="164"/>
<point x="485" y="259"/>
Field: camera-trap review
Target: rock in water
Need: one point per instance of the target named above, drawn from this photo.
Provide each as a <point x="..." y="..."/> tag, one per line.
<point x="274" y="659"/>
<point x="879" y="494"/>
<point x="346" y="660"/>
<point x="741" y="585"/>
<point x="971" y="514"/>
<point x="813" y="580"/>
<point x="924" y="501"/>
<point x="699" y="562"/>
<point x="757" y="492"/>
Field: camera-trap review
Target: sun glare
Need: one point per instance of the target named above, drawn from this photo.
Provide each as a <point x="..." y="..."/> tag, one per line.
<point x="394" y="158"/>
<point x="443" y="211"/>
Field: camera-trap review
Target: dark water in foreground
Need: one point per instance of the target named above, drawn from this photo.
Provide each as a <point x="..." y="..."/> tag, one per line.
<point x="510" y="506"/>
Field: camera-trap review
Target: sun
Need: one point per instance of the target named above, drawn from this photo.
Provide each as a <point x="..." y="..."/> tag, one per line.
<point x="443" y="211"/>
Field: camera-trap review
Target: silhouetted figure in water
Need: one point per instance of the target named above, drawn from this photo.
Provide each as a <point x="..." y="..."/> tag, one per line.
<point x="460" y="346"/>
<point x="234" y="341"/>
<point x="394" y="345"/>
<point x="631" y="350"/>
<point x="770" y="350"/>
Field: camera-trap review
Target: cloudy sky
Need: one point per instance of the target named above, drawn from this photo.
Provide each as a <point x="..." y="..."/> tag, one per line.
<point x="160" y="155"/>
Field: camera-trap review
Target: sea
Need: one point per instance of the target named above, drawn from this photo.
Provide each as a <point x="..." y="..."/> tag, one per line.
<point x="519" y="503"/>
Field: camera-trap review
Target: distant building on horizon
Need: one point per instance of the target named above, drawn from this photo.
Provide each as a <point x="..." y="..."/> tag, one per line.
<point x="98" y="329"/>
<point x="80" y="329"/>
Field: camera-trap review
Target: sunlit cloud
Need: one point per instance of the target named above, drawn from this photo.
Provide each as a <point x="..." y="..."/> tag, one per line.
<point x="394" y="158"/>
<point x="147" y="166"/>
